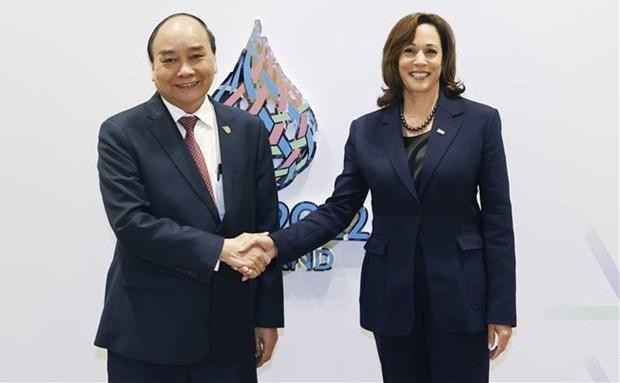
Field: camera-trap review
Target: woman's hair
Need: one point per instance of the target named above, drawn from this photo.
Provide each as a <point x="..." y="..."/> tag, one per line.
<point x="401" y="35"/>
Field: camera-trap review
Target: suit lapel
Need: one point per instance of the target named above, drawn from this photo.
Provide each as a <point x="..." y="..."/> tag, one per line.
<point x="447" y="121"/>
<point x="392" y="139"/>
<point x="167" y="134"/>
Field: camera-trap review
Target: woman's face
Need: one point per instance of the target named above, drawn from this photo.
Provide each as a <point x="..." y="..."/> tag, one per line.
<point x="419" y="64"/>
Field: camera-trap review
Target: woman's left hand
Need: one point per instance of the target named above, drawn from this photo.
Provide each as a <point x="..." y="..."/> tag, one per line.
<point x="498" y="336"/>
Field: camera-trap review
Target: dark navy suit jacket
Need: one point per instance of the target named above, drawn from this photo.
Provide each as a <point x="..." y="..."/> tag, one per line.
<point x="468" y="247"/>
<point x="164" y="303"/>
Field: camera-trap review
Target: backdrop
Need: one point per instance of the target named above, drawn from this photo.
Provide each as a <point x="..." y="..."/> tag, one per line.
<point x="550" y="67"/>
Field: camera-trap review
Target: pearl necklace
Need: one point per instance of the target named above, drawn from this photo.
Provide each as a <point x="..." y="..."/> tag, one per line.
<point x="416" y="128"/>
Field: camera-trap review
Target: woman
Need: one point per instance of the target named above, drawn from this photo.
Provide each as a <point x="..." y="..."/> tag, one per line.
<point x="438" y="277"/>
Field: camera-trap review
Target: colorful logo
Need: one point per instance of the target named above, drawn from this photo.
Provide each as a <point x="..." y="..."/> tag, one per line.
<point x="258" y="86"/>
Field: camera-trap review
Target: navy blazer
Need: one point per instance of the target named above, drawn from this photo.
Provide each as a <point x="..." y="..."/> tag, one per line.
<point x="468" y="248"/>
<point x="164" y="303"/>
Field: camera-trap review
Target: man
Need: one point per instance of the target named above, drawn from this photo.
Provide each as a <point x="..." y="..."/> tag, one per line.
<point x="181" y="177"/>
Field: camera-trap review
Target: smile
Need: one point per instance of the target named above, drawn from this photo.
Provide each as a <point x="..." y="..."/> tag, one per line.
<point x="420" y="75"/>
<point x="187" y="84"/>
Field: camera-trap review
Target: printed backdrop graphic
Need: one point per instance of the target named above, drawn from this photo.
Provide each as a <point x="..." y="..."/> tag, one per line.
<point x="258" y="85"/>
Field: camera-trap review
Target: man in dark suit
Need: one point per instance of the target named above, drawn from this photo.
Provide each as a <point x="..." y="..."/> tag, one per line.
<point x="181" y="178"/>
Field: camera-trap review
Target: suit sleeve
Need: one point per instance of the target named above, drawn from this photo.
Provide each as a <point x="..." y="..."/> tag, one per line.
<point x="159" y="240"/>
<point x="497" y="228"/>
<point x="329" y="219"/>
<point x="269" y="293"/>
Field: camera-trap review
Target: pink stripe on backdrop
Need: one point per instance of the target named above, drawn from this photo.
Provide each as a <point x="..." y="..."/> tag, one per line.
<point x="283" y="99"/>
<point x="236" y="95"/>
<point x="257" y="64"/>
<point x="290" y="159"/>
<point x="276" y="133"/>
<point x="261" y="96"/>
<point x="303" y="125"/>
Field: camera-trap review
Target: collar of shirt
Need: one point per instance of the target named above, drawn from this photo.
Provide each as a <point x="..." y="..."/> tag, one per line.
<point x="206" y="135"/>
<point x="205" y="113"/>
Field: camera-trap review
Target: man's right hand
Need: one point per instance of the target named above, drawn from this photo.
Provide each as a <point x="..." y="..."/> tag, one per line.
<point x="261" y="243"/>
<point x="251" y="262"/>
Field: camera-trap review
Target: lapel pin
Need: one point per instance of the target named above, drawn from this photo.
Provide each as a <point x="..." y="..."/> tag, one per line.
<point x="441" y="131"/>
<point x="226" y="129"/>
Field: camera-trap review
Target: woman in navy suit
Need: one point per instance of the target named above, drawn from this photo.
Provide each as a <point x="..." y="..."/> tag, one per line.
<point x="438" y="277"/>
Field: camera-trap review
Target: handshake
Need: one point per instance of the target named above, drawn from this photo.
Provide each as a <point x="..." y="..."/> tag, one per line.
<point x="249" y="254"/>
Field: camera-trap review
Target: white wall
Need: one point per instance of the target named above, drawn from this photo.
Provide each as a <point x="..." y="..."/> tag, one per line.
<point x="551" y="67"/>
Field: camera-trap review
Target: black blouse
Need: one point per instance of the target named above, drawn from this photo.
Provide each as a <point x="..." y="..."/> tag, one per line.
<point x="415" y="147"/>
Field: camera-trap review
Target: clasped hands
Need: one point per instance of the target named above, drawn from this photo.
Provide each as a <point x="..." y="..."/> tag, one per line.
<point x="248" y="253"/>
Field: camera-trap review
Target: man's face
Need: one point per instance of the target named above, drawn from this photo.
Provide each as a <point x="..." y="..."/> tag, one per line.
<point x="183" y="63"/>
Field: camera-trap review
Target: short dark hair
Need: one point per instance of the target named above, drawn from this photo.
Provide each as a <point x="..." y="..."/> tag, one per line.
<point x="149" y="46"/>
<point x="400" y="36"/>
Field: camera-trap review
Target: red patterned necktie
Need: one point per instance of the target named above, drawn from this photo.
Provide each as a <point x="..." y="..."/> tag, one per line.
<point x="189" y="122"/>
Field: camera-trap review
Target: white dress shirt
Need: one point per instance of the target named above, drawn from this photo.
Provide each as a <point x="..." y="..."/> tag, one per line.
<point x="206" y="135"/>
